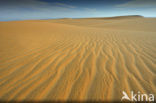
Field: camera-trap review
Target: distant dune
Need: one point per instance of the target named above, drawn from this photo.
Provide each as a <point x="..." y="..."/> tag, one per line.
<point x="77" y="59"/>
<point x="117" y="17"/>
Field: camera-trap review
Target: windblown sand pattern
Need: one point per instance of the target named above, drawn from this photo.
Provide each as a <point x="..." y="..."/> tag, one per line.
<point x="77" y="59"/>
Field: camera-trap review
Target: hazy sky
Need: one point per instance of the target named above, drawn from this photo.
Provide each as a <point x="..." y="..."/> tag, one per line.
<point x="47" y="9"/>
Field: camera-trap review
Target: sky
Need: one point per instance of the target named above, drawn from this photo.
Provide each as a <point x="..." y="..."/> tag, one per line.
<point x="52" y="9"/>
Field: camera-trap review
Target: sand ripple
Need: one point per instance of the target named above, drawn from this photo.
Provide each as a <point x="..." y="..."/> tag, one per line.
<point x="43" y="60"/>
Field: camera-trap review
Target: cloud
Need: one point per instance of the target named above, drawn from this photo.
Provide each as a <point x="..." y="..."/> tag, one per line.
<point x="64" y="5"/>
<point x="90" y="9"/>
<point x="32" y="4"/>
<point x="138" y="4"/>
<point x="33" y="9"/>
<point x="145" y="8"/>
<point x="36" y="9"/>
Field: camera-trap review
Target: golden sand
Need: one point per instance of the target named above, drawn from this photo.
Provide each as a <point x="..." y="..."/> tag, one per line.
<point x="77" y="59"/>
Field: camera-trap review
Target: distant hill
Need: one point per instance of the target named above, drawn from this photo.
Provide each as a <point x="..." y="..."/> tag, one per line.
<point x="118" y="17"/>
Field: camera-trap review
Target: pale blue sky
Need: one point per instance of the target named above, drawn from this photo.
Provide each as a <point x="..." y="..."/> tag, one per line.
<point x="48" y="9"/>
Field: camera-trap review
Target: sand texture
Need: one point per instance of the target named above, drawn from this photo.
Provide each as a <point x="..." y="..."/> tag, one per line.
<point x="77" y="59"/>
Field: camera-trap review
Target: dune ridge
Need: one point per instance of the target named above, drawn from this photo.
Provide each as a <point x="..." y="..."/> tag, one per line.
<point x="80" y="59"/>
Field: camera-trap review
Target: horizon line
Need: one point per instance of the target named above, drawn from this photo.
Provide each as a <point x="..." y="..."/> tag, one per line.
<point x="106" y="17"/>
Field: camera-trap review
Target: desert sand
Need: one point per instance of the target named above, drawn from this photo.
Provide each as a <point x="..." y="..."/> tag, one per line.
<point x="92" y="59"/>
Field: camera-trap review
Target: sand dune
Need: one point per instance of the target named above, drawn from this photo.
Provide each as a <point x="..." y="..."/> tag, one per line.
<point x="77" y="59"/>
